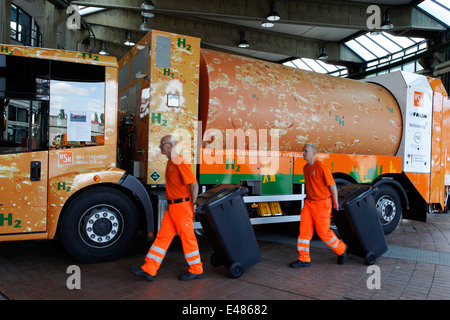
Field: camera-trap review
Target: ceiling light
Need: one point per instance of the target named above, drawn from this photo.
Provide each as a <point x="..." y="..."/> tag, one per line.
<point x="129" y="42"/>
<point x="147" y="5"/>
<point x="103" y="50"/>
<point x="387" y="24"/>
<point x="243" y="43"/>
<point x="323" y="54"/>
<point x="273" y="15"/>
<point x="267" y="24"/>
<point x="147" y="14"/>
<point x="145" y="26"/>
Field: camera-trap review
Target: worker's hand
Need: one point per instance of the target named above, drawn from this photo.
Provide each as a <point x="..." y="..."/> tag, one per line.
<point x="336" y="205"/>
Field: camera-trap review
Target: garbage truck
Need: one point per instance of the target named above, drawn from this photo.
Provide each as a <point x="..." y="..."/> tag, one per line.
<point x="80" y="136"/>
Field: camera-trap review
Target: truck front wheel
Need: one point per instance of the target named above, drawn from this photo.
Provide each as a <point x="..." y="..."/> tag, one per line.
<point x="99" y="225"/>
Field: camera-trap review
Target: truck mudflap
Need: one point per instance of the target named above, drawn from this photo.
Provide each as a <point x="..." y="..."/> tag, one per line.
<point x="133" y="184"/>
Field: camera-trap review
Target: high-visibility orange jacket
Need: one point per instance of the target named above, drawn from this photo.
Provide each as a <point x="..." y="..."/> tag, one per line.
<point x="316" y="212"/>
<point x="318" y="178"/>
<point x="178" y="218"/>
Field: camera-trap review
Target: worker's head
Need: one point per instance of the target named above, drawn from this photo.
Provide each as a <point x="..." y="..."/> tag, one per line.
<point x="309" y="153"/>
<point x="167" y="146"/>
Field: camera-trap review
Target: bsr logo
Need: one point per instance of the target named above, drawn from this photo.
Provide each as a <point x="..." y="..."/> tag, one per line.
<point x="65" y="157"/>
<point x="418" y="99"/>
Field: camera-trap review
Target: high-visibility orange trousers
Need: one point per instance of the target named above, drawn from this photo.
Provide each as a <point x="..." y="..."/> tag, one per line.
<point x="317" y="214"/>
<point x="177" y="218"/>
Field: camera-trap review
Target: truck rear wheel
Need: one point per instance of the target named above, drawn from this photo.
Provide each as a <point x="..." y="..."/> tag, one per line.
<point x="389" y="207"/>
<point x="99" y="225"/>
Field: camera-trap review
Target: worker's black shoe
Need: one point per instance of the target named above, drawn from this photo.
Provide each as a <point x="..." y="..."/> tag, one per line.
<point x="190" y="276"/>
<point x="343" y="257"/>
<point x="300" y="264"/>
<point x="142" y="273"/>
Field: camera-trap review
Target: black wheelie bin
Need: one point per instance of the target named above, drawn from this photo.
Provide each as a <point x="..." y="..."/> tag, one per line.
<point x="224" y="218"/>
<point x="358" y="223"/>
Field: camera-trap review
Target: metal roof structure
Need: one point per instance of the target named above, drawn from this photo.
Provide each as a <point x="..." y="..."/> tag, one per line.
<point x="343" y="29"/>
<point x="380" y="47"/>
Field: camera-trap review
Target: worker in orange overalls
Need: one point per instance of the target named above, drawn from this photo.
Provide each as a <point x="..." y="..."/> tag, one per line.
<point x="181" y="193"/>
<point x="316" y="212"/>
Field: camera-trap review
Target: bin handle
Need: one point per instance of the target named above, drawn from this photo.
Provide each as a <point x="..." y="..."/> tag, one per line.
<point x="350" y="194"/>
<point x="369" y="188"/>
<point x="215" y="194"/>
<point x="354" y="191"/>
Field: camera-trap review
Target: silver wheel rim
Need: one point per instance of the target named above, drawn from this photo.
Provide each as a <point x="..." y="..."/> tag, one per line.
<point x="386" y="209"/>
<point x="100" y="226"/>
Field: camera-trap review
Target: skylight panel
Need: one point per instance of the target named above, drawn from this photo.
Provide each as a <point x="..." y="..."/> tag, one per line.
<point x="317" y="66"/>
<point x="289" y="64"/>
<point x="328" y="67"/>
<point x="314" y="65"/>
<point x="298" y="63"/>
<point x="438" y="9"/>
<point x="372" y="46"/>
<point x="84" y="10"/>
<point x="386" y="43"/>
<point x="404" y="42"/>
<point x="360" y="50"/>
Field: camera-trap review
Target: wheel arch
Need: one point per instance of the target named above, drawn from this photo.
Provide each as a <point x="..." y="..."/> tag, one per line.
<point x="133" y="189"/>
<point x="342" y="179"/>
<point x="391" y="181"/>
<point x="137" y="191"/>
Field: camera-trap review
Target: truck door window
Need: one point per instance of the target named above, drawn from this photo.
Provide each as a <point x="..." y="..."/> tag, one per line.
<point x="76" y="104"/>
<point x="31" y="89"/>
<point x="23" y="104"/>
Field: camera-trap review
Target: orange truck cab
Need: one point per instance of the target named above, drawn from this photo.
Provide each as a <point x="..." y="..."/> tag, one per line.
<point x="58" y="147"/>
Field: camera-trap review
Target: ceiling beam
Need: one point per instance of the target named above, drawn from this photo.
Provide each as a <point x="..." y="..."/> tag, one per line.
<point x="216" y="33"/>
<point x="327" y="13"/>
<point x="219" y="23"/>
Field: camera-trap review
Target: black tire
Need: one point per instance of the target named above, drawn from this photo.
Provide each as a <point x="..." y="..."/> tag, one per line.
<point x="389" y="207"/>
<point x="370" y="258"/>
<point x="99" y="225"/>
<point x="235" y="270"/>
<point x="447" y="202"/>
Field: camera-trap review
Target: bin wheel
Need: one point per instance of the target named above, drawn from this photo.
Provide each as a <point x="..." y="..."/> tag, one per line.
<point x="235" y="270"/>
<point x="370" y="258"/>
<point x="215" y="260"/>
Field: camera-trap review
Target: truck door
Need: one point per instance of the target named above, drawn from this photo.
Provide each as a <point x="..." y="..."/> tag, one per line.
<point x="24" y="106"/>
<point x="23" y="169"/>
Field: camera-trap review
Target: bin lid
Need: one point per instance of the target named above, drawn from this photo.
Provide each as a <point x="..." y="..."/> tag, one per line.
<point x="217" y="196"/>
<point x="353" y="192"/>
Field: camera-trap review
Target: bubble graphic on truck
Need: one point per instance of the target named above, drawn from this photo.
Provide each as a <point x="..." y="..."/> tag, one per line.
<point x="340" y="115"/>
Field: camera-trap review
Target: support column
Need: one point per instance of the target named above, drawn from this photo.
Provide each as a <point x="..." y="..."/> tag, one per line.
<point x="52" y="18"/>
<point x="5" y="21"/>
